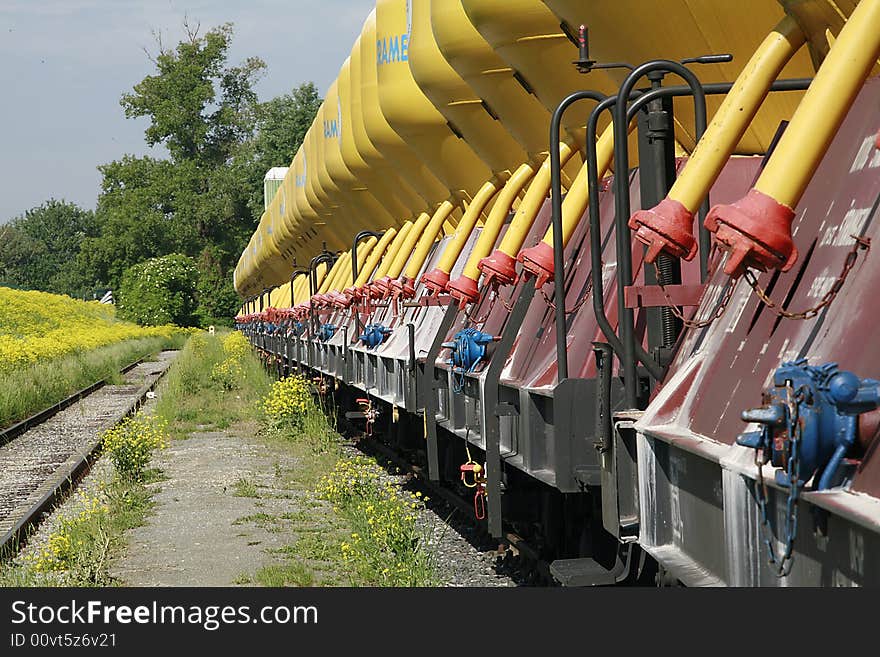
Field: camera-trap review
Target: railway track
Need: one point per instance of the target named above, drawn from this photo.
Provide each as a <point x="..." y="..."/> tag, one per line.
<point x="43" y="457"/>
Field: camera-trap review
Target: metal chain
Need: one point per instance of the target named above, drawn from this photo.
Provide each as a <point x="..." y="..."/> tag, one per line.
<point x="698" y="323"/>
<point x="479" y="302"/>
<point x="827" y="298"/>
<point x="784" y="562"/>
<point x="577" y="306"/>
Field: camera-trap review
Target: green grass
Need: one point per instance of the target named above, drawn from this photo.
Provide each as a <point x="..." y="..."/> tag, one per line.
<point x="192" y="401"/>
<point x="94" y="539"/>
<point x="199" y="395"/>
<point x="29" y="390"/>
<point x="289" y="573"/>
<point x="245" y="488"/>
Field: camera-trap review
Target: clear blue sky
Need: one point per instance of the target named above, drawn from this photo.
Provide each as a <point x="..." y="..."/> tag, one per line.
<point x="65" y="63"/>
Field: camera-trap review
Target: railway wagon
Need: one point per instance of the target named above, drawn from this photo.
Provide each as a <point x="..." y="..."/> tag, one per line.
<point x="605" y="268"/>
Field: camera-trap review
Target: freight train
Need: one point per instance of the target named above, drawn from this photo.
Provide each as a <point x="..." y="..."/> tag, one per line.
<point x="606" y="266"/>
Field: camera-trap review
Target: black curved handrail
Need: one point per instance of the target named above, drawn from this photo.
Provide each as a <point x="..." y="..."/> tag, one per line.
<point x="626" y="316"/>
<point x="556" y="220"/>
<point x="357" y="240"/>
<point x="324" y="256"/>
<point x="298" y="271"/>
<point x="639" y="100"/>
<point x="329" y="258"/>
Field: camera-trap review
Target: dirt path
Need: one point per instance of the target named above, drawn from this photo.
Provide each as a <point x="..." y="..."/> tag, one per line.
<point x="218" y="515"/>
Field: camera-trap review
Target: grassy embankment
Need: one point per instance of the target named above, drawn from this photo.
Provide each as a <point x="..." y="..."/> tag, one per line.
<point x="52" y="345"/>
<point x="347" y="524"/>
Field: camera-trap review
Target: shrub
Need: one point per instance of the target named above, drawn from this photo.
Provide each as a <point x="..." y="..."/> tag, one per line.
<point x="131" y="443"/>
<point x="63" y="549"/>
<point x="288" y="403"/>
<point x="218" y="300"/>
<point x="160" y="291"/>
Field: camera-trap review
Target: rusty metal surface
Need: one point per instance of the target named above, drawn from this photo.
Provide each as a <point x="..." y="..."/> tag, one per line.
<point x="722" y="369"/>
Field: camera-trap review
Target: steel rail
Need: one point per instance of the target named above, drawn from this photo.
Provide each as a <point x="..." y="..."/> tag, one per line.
<point x="74" y="469"/>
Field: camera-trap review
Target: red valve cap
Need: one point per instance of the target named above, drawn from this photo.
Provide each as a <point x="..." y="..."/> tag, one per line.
<point x="403" y="287"/>
<point x="756" y="231"/>
<point x="435" y="281"/>
<point x="499" y="266"/>
<point x="665" y="228"/>
<point x="464" y="290"/>
<point x="538" y="261"/>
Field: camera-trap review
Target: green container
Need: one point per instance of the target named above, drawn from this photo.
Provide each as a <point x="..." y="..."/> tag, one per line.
<point x="271" y="183"/>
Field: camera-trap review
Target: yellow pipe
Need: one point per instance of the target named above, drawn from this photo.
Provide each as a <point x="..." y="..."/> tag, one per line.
<point x="391" y="253"/>
<point x="343" y="276"/>
<point x="344" y="280"/>
<point x="300" y="289"/>
<point x="466" y="226"/>
<point x="575" y="202"/>
<point x="823" y="107"/>
<point x="320" y="273"/>
<point x="538" y="259"/>
<point x="669" y="225"/>
<point x="736" y="114"/>
<point x="340" y="276"/>
<point x="500" y="266"/>
<point x="408" y="244"/>
<point x="426" y="241"/>
<point x="334" y="273"/>
<point x="531" y="204"/>
<point x="497" y="216"/>
<point x="757" y="228"/>
<point x="338" y="273"/>
<point x="375" y="255"/>
<point x="437" y="279"/>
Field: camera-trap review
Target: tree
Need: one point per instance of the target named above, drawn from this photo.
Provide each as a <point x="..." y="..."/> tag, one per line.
<point x="198" y="107"/>
<point x="39" y="248"/>
<point x="214" y="291"/>
<point x="204" y="111"/>
<point x="159" y="291"/>
<point x="202" y="202"/>
<point x="21" y="257"/>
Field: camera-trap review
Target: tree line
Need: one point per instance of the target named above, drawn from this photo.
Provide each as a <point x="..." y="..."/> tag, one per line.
<point x="194" y="210"/>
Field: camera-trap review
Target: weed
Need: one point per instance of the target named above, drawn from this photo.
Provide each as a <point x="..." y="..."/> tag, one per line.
<point x="388" y="546"/>
<point x="131" y="443"/>
<point x="286" y="574"/>
<point x="245" y="488"/>
<point x="79" y="549"/>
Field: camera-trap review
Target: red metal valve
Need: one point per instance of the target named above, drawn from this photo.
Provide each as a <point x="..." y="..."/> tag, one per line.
<point x="538" y="261"/>
<point x="370" y="414"/>
<point x="464" y="290"/>
<point x="757" y="231"/>
<point x="667" y="227"/>
<point x="380" y="289"/>
<point x="499" y="267"/>
<point x="480" y="502"/>
<point x="403" y="287"/>
<point x="476" y="472"/>
<point x="435" y="281"/>
<point x="478" y="483"/>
